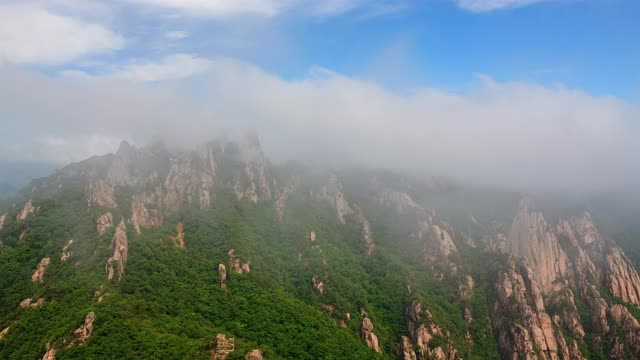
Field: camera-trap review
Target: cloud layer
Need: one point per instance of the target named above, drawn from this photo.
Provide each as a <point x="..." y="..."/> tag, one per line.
<point x="516" y="134"/>
<point x="33" y="35"/>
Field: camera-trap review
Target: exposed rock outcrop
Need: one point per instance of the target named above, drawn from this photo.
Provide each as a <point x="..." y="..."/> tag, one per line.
<point x="423" y="330"/>
<point x="281" y="202"/>
<point x="397" y="200"/>
<point x="27" y="210"/>
<point x="223" y="347"/>
<point x="332" y="192"/>
<point x="51" y="352"/>
<point x="405" y="349"/>
<point x="222" y="275"/>
<point x="5" y="331"/>
<point x="318" y="284"/>
<point x="120" y="248"/>
<point x="365" y="228"/>
<point x="82" y="334"/>
<point x="629" y="326"/>
<point x="142" y="215"/>
<point x="100" y="294"/>
<point x="100" y="193"/>
<point x="29" y="303"/>
<point x="467" y="288"/>
<point x="2" y="217"/>
<point x="621" y="277"/>
<point x="66" y="253"/>
<point x="38" y="275"/>
<point x="532" y="238"/>
<point x="104" y="222"/>
<point x="369" y="337"/>
<point x="253" y="355"/>
<point x="179" y="238"/>
<point x="237" y="265"/>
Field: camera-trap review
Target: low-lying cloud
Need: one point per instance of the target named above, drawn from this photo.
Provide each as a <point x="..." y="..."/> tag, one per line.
<point x="516" y="134"/>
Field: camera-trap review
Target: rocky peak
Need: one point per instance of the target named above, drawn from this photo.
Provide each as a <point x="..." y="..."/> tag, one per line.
<point x="120" y="248"/>
<point x="222" y="275"/>
<point x="125" y="149"/>
<point x="368" y="336"/>
<point x="531" y="238"/>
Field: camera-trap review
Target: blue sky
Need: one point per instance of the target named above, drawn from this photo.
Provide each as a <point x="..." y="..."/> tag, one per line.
<point x="541" y="93"/>
<point x="586" y="44"/>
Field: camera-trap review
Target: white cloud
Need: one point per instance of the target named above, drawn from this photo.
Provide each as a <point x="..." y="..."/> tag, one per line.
<point x="33" y="35"/>
<point x="223" y="8"/>
<point x="218" y="7"/>
<point x="171" y="67"/>
<point x="491" y="5"/>
<point x="517" y="134"/>
<point x="176" y="35"/>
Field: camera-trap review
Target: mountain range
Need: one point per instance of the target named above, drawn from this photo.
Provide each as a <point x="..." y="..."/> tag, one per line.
<point x="215" y="252"/>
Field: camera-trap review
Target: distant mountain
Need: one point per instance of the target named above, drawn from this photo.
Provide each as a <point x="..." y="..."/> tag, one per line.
<point x="15" y="175"/>
<point x="216" y="253"/>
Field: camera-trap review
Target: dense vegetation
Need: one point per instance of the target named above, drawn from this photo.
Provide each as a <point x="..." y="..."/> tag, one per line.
<point x="169" y="304"/>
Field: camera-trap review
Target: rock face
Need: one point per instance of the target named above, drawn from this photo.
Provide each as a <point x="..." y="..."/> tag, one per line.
<point x="253" y="355"/>
<point x="629" y="326"/>
<point x="332" y="192"/>
<point x="104" y="222"/>
<point x="368" y="336"/>
<point x="66" y="253"/>
<point x="142" y="215"/>
<point x="621" y="277"/>
<point x="423" y="330"/>
<point x="367" y="236"/>
<point x="518" y="293"/>
<point x="27" y="210"/>
<point x="2" y="217"/>
<point x="100" y="193"/>
<point x="38" y="275"/>
<point x="222" y="348"/>
<point x="281" y="203"/>
<point x="222" y="275"/>
<point x="531" y="238"/>
<point x="554" y="262"/>
<point x="119" y="245"/>
<point x="82" y="334"/>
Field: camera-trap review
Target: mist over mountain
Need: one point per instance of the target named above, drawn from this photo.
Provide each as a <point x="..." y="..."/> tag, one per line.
<point x="319" y="179"/>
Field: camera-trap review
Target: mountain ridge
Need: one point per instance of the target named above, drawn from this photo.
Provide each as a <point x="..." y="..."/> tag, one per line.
<point x="364" y="259"/>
